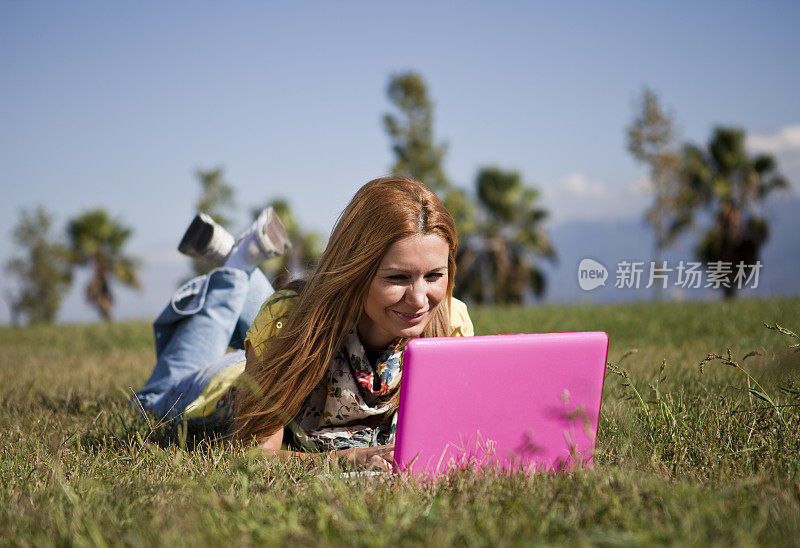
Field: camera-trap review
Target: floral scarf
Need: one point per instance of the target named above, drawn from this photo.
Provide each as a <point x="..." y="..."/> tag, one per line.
<point x="348" y="407"/>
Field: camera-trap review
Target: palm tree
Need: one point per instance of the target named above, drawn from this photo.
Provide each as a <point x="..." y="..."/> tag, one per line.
<point x="497" y="263"/>
<point x="98" y="240"/>
<point x="730" y="184"/>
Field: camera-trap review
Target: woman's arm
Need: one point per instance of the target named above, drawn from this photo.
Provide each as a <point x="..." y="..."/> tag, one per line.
<point x="380" y="457"/>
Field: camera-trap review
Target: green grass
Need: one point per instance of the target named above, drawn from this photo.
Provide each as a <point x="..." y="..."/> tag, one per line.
<point x="695" y="458"/>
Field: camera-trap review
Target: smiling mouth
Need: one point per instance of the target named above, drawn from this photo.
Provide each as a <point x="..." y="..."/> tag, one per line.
<point x="410" y="318"/>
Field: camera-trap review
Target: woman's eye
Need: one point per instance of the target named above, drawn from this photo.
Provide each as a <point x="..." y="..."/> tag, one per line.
<point x="402" y="278"/>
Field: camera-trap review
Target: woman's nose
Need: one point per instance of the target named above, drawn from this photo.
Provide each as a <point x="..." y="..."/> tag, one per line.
<point x="416" y="295"/>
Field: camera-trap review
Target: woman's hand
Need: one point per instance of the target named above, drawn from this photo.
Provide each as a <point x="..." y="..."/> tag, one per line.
<point x="380" y="457"/>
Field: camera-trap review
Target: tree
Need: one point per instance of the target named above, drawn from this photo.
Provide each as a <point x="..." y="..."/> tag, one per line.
<point x="43" y="273"/>
<point x="216" y="200"/>
<point x="416" y="153"/>
<point x="411" y="133"/>
<point x="216" y="197"/>
<point x="724" y="180"/>
<point x="498" y="263"/>
<point x="301" y="257"/>
<point x="651" y="140"/>
<point x="500" y="236"/>
<point x="98" y="240"/>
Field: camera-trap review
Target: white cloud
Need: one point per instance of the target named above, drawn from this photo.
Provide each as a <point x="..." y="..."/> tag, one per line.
<point x="577" y="196"/>
<point x="784" y="144"/>
<point x="578" y="184"/>
<point x="787" y="139"/>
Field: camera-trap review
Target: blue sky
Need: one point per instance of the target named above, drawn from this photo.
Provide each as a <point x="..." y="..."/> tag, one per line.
<point x="116" y="104"/>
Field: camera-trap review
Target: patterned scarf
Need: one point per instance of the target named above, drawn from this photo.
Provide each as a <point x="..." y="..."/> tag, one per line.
<point x="346" y="408"/>
<point x="378" y="379"/>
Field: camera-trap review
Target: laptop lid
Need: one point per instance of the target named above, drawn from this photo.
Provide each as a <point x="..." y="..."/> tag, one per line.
<point x="530" y="401"/>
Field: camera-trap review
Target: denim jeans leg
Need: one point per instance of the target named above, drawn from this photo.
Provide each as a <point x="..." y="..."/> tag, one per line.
<point x="204" y="317"/>
<point x="258" y="291"/>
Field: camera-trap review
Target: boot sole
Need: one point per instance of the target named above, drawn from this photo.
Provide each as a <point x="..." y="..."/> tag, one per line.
<point x="196" y="238"/>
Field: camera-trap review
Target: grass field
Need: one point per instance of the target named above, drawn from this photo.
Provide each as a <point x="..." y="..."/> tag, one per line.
<point x="683" y="456"/>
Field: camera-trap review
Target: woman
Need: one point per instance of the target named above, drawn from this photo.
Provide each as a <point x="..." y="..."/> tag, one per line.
<point x="322" y="362"/>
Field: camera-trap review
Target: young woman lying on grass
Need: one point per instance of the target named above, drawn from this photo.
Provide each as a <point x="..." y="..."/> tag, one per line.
<point x="319" y="363"/>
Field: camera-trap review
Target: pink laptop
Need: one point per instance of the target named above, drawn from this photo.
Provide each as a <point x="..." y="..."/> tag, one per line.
<point x="517" y="401"/>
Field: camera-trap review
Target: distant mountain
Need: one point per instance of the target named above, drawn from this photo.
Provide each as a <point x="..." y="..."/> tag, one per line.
<point x="610" y="241"/>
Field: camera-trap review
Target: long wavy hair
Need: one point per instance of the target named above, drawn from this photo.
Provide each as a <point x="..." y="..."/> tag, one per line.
<point x="330" y="304"/>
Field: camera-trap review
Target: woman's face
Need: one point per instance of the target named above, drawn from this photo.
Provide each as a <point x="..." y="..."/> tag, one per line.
<point x="410" y="281"/>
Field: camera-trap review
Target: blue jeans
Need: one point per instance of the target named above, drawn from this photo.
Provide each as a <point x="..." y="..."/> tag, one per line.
<point x="205" y="316"/>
